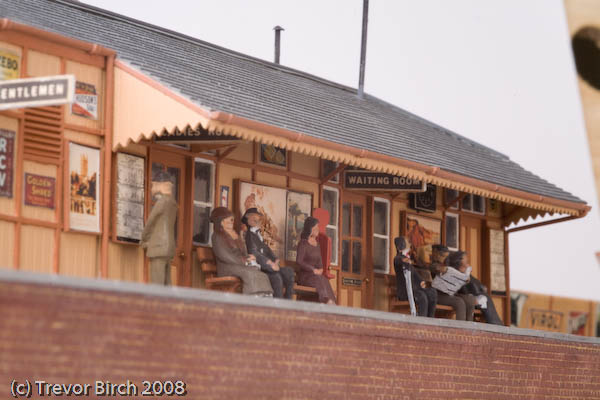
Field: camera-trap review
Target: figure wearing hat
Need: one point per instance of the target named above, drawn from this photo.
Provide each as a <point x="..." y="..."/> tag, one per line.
<point x="279" y="276"/>
<point x="158" y="237"/>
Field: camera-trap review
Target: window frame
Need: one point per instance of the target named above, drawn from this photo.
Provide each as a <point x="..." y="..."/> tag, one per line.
<point x="471" y="198"/>
<point x="211" y="196"/>
<point x="380" y="236"/>
<point x="336" y="227"/>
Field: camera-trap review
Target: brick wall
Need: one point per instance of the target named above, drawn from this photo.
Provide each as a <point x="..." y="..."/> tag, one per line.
<point x="62" y="330"/>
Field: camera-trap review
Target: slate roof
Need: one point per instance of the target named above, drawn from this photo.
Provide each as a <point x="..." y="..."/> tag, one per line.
<point x="223" y="80"/>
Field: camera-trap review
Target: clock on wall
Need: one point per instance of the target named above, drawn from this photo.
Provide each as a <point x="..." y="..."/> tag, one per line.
<point x="425" y="201"/>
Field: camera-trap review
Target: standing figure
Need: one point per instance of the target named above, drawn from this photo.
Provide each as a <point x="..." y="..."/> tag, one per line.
<point x="158" y="237"/>
<point x="309" y="259"/>
<point x="324" y="241"/>
<point x="269" y="263"/>
<point x="232" y="257"/>
<point x="424" y="297"/>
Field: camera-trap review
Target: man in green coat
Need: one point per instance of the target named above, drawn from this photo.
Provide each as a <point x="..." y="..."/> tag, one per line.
<point x="158" y="237"/>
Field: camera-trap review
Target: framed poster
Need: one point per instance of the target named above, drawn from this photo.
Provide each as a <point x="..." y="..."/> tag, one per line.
<point x="85" y="103"/>
<point x="452" y="231"/>
<point x="497" y="261"/>
<point x="422" y="231"/>
<point x="224" y="198"/>
<point x="272" y="155"/>
<point x="299" y="207"/>
<point x="577" y="322"/>
<point x="271" y="202"/>
<point x="7" y="157"/>
<point x="129" y="197"/>
<point x="40" y="190"/>
<point x="82" y="188"/>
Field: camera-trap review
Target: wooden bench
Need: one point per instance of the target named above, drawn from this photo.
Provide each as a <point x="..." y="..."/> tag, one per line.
<point x="403" y="306"/>
<point x="233" y="284"/>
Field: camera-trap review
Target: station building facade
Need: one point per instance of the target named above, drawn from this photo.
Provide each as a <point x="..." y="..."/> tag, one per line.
<point x="236" y="131"/>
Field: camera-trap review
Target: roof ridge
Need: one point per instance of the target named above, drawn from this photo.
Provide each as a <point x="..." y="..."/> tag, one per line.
<point x="200" y="42"/>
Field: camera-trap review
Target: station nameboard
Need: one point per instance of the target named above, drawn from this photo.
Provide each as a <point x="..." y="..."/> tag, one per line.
<point x="368" y="180"/>
<point x="191" y="135"/>
<point x="37" y="92"/>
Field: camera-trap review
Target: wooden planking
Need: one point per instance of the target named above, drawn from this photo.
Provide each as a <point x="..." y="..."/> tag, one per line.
<point x="8" y="205"/>
<point x="41" y="64"/>
<point x="356" y="299"/>
<point x="41" y="213"/>
<point x="271" y="179"/>
<point x="305" y="165"/>
<point x="90" y="75"/>
<point x="243" y="152"/>
<point x="226" y="176"/>
<point x="7" y="244"/>
<point x="308" y="187"/>
<point x="37" y="248"/>
<point x="78" y="255"/>
<point x="83" y="138"/>
<point x="125" y="262"/>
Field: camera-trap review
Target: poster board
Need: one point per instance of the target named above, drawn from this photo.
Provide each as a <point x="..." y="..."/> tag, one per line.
<point x="82" y="190"/>
<point x="129" y="198"/>
<point x="299" y="207"/>
<point x="497" y="261"/>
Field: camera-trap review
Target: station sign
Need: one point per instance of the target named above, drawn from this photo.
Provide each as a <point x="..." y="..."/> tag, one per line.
<point x="198" y="135"/>
<point x="37" y="92"/>
<point x="368" y="180"/>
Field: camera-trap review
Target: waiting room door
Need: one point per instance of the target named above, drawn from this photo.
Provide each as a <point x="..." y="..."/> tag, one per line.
<point x="174" y="165"/>
<point x="353" y="274"/>
<point x="470" y="241"/>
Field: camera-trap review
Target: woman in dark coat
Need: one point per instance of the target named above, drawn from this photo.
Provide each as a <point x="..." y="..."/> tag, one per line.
<point x="425" y="297"/>
<point x="309" y="259"/>
<point x="232" y="257"/>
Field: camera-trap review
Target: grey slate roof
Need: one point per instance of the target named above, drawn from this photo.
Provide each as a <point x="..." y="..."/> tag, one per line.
<point x="223" y="80"/>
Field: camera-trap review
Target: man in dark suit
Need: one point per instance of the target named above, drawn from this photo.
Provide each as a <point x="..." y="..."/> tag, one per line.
<point x="268" y="261"/>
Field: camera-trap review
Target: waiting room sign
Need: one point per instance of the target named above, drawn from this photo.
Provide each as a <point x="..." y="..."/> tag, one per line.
<point x="368" y="180"/>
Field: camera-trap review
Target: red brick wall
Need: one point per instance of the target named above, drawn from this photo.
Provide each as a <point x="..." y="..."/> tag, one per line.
<point x="62" y="334"/>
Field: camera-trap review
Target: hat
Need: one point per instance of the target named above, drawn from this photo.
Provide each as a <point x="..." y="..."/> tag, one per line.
<point x="220" y="213"/>
<point x="161" y="176"/>
<point x="440" y="248"/>
<point x="251" y="210"/>
<point x="455" y="258"/>
<point x="401" y="243"/>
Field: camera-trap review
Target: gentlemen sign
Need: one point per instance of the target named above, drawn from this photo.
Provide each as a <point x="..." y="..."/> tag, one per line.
<point x="194" y="135"/>
<point x="37" y="92"/>
<point x="368" y="180"/>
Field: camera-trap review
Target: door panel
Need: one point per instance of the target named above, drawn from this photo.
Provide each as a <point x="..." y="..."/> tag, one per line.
<point x="354" y="252"/>
<point x="174" y="166"/>
<point x="472" y="242"/>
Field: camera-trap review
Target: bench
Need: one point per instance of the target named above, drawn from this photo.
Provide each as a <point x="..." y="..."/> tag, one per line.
<point x="403" y="306"/>
<point x="233" y="284"/>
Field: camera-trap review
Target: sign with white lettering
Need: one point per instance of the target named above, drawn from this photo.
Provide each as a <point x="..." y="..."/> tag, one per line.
<point x="7" y="145"/>
<point x="368" y="180"/>
<point x="190" y="135"/>
<point x="37" y="92"/>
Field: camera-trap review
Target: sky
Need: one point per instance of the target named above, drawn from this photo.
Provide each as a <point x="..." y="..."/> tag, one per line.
<point x="498" y="72"/>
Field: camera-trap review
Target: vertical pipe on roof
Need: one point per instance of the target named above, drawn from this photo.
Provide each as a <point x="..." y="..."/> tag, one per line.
<point x="277" y="30"/>
<point x="363" y="49"/>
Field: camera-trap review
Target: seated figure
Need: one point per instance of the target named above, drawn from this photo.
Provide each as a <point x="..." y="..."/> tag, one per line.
<point x="463" y="305"/>
<point x="268" y="261"/>
<point x="232" y="257"/>
<point x="475" y="288"/>
<point x="309" y="259"/>
<point x="423" y="263"/>
<point x="424" y="297"/>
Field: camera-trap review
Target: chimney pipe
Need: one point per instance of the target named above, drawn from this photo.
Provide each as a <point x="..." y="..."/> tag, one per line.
<point x="277" y="30"/>
<point x="363" y="49"/>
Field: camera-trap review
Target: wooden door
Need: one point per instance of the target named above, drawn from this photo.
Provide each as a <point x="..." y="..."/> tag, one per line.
<point x="354" y="270"/>
<point x="470" y="241"/>
<point x="174" y="165"/>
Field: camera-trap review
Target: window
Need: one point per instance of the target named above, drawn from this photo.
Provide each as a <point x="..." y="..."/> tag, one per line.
<point x="381" y="235"/>
<point x="328" y="168"/>
<point x="474" y="203"/>
<point x="451" y="195"/>
<point x="331" y="197"/>
<point x="204" y="176"/>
